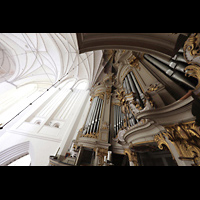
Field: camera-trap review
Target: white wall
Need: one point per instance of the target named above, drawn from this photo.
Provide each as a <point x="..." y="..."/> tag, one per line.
<point x="43" y="138"/>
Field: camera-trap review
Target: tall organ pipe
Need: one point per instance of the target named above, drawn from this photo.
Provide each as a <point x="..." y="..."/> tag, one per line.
<point x="99" y="116"/>
<point x="115" y="119"/>
<point x="124" y="86"/>
<point x="89" y="115"/>
<point x="171" y="73"/>
<point x="90" y="112"/>
<point x="90" y="122"/>
<point x="93" y="116"/>
<point x="136" y="84"/>
<point x="127" y="85"/>
<point x="131" y="83"/>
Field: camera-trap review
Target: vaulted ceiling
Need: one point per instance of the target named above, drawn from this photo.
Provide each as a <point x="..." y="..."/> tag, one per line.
<point x="45" y="58"/>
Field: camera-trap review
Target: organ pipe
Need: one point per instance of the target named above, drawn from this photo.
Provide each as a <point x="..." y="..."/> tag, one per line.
<point x="127" y="85"/>
<point x="94" y="115"/>
<point x="173" y="73"/>
<point x="93" y="118"/>
<point x="119" y="119"/>
<point x="136" y="83"/>
<point x="99" y="115"/>
<point x="131" y="83"/>
<point x="90" y="112"/>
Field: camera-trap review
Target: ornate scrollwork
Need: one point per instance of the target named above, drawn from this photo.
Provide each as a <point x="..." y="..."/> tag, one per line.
<point x="193" y="45"/>
<point x="153" y="87"/>
<point x="159" y="138"/>
<point x="101" y="153"/>
<point x="90" y="135"/>
<point x="191" y="52"/>
<point x="194" y="71"/>
<point x="132" y="156"/>
<point x="134" y="62"/>
<point x="186" y="139"/>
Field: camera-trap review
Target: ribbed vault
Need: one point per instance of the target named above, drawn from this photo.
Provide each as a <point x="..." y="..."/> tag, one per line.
<point x="44" y="58"/>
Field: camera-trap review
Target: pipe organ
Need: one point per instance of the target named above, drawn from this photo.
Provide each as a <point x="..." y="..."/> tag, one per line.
<point x="174" y="68"/>
<point x="118" y="119"/>
<point x="130" y="84"/>
<point x="129" y="113"/>
<point x="122" y="120"/>
<point x="93" y="118"/>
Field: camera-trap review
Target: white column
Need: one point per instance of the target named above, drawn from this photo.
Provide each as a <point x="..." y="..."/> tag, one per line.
<point x="71" y="127"/>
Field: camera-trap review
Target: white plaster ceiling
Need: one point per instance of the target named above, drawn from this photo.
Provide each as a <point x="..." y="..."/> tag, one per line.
<point x="44" y="58"/>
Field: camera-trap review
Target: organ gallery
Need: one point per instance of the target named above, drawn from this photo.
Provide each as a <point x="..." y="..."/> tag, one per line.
<point x="139" y="106"/>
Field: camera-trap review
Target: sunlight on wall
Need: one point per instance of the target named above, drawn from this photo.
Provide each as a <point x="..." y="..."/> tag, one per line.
<point x="82" y="85"/>
<point x="14" y="100"/>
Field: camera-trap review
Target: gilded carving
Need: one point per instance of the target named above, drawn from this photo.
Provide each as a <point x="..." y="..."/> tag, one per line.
<point x="186" y="139"/>
<point x="101" y="153"/>
<point x="90" y="135"/>
<point x="192" y="45"/>
<point x="153" y="87"/>
<point x="132" y="156"/>
<point x="105" y="126"/>
<point x="194" y="71"/>
<point x="159" y="138"/>
<point x="191" y="52"/>
<point x="134" y="62"/>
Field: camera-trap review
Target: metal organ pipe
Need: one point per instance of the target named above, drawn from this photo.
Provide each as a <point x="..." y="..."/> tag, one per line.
<point x="97" y="118"/>
<point x="179" y="57"/>
<point x="138" y="90"/>
<point x="136" y="83"/>
<point x="118" y="117"/>
<point x="124" y="86"/>
<point x="115" y="120"/>
<point x="99" y="115"/>
<point x="131" y="83"/>
<point x="175" y="70"/>
<point x="93" y="116"/>
<point x="127" y="85"/>
<point x="90" y="112"/>
<point x="89" y="116"/>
